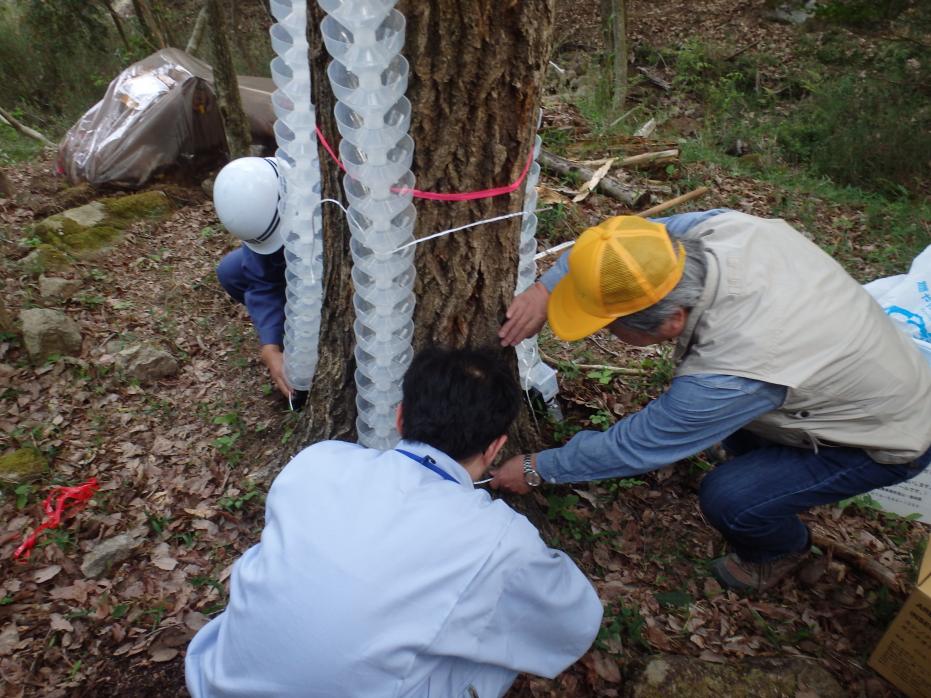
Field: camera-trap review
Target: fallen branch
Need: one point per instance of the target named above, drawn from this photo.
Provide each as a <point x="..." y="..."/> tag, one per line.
<point x="560" y="165"/>
<point x="590" y="185"/>
<point x="644" y="158"/>
<point x="597" y="367"/>
<point x="23" y="129"/>
<point x="659" y="208"/>
<point x="641" y="159"/>
<point x="658" y="81"/>
<point x="694" y="194"/>
<point x="867" y="565"/>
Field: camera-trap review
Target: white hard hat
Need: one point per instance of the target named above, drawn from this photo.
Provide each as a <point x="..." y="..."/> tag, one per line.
<point x="245" y="196"/>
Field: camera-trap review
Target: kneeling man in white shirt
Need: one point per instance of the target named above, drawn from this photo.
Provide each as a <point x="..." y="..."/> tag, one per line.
<point x="387" y="573"/>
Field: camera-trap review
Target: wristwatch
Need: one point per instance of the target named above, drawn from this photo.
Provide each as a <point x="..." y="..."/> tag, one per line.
<point x="531" y="476"/>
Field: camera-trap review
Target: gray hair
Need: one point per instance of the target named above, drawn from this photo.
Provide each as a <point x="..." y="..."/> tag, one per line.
<point x="684" y="295"/>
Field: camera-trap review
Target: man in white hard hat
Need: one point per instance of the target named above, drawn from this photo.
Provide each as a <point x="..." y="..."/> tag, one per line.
<point x="245" y="196"/>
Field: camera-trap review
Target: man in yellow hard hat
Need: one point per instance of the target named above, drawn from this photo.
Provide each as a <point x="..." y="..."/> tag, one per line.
<point x="779" y="353"/>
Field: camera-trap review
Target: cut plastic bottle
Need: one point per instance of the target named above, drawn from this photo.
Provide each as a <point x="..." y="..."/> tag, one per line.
<point x="299" y="207"/>
<point x="369" y="77"/>
<point x="534" y="373"/>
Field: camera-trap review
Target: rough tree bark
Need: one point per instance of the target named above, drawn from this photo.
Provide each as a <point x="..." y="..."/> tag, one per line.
<point x="148" y="22"/>
<point x="476" y="76"/>
<point x="614" y="25"/>
<point x="117" y="22"/>
<point x="226" y="85"/>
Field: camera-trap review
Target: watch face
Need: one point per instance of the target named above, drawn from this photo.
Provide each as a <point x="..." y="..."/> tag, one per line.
<point x="532" y="478"/>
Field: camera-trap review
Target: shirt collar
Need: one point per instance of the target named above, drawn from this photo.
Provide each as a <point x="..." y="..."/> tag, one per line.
<point x="443" y="461"/>
<point x="708" y="296"/>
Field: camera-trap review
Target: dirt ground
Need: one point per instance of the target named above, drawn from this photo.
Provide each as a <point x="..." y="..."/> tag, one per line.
<point x="185" y="461"/>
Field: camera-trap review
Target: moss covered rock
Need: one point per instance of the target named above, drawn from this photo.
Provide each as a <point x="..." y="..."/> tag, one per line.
<point x="22" y="465"/>
<point x="85" y="230"/>
<point x="45" y="258"/>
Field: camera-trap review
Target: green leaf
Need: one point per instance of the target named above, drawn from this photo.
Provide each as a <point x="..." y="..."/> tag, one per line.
<point x="679" y="599"/>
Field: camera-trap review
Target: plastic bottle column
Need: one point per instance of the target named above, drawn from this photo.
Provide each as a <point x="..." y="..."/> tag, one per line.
<point x="299" y="207"/>
<point x="369" y="78"/>
<point x="533" y="372"/>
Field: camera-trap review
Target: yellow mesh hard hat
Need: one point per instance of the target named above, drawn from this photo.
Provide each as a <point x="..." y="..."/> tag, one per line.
<point x="622" y="265"/>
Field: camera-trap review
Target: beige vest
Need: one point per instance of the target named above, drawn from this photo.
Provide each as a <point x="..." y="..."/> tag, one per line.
<point x="777" y="308"/>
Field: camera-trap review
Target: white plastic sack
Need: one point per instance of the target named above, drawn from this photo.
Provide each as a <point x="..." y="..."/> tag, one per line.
<point x="907" y="300"/>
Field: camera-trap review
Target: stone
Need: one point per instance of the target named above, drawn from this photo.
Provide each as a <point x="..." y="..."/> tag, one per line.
<point x="86" y="231"/>
<point x="108" y="553"/>
<point x="22" y="465"/>
<point x="6" y="186"/>
<point x="793" y="12"/>
<point x="47" y="332"/>
<point x="56" y="287"/>
<point x="668" y="676"/>
<point x="88" y="215"/>
<point x="45" y="258"/>
<point x="145" y="363"/>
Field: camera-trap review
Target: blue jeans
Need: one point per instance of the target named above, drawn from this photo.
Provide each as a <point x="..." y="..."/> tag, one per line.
<point x="755" y="498"/>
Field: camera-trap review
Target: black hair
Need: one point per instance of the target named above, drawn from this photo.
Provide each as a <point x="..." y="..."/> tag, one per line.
<point x="458" y="400"/>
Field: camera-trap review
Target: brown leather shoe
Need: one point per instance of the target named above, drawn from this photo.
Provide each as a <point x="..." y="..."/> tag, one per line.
<point x="740" y="575"/>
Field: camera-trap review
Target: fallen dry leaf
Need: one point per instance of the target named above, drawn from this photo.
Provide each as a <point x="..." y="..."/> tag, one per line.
<point x="45" y="574"/>
<point x="162" y="654"/>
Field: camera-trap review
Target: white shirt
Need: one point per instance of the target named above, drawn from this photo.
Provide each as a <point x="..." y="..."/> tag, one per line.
<point x="377" y="577"/>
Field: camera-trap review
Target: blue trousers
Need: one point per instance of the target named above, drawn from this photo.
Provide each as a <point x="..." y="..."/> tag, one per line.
<point x="755" y="498"/>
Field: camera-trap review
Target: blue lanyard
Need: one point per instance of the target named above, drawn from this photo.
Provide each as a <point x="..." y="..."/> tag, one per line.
<point x="430" y="464"/>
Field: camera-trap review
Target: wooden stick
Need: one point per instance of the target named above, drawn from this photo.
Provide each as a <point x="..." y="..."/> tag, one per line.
<point x="867" y="565"/>
<point x="23" y="129"/>
<point x="644" y="158"/>
<point x="634" y="159"/>
<point x="597" y="367"/>
<point x="694" y="194"/>
<point x="655" y="79"/>
<point x="590" y="185"/>
<point x="609" y="186"/>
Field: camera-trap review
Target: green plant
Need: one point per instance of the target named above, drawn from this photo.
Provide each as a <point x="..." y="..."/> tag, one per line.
<point x="675" y="598"/>
<point x="157" y="522"/>
<point x="549" y="220"/>
<point x="565" y="430"/>
<point x="156" y="614"/>
<point x="885" y="142"/>
<point x="91" y="300"/>
<point x="58" y="537"/>
<point x="622" y="625"/>
<point x="602" y="419"/>
<point x="227" y="444"/>
<point x="860" y="13"/>
<point x="602" y="375"/>
<point x="23" y="494"/>
<point x="239" y="501"/>
<point x="620" y="484"/>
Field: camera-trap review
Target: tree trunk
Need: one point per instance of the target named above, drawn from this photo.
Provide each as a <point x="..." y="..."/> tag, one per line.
<point x="614" y="25"/>
<point x="225" y="84"/>
<point x="197" y="34"/>
<point x="117" y="22"/>
<point x="151" y="28"/>
<point x="476" y="76"/>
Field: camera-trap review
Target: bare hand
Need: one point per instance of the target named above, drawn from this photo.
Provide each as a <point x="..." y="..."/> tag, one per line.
<point x="273" y="358"/>
<point x="525" y="316"/>
<point x="510" y="476"/>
